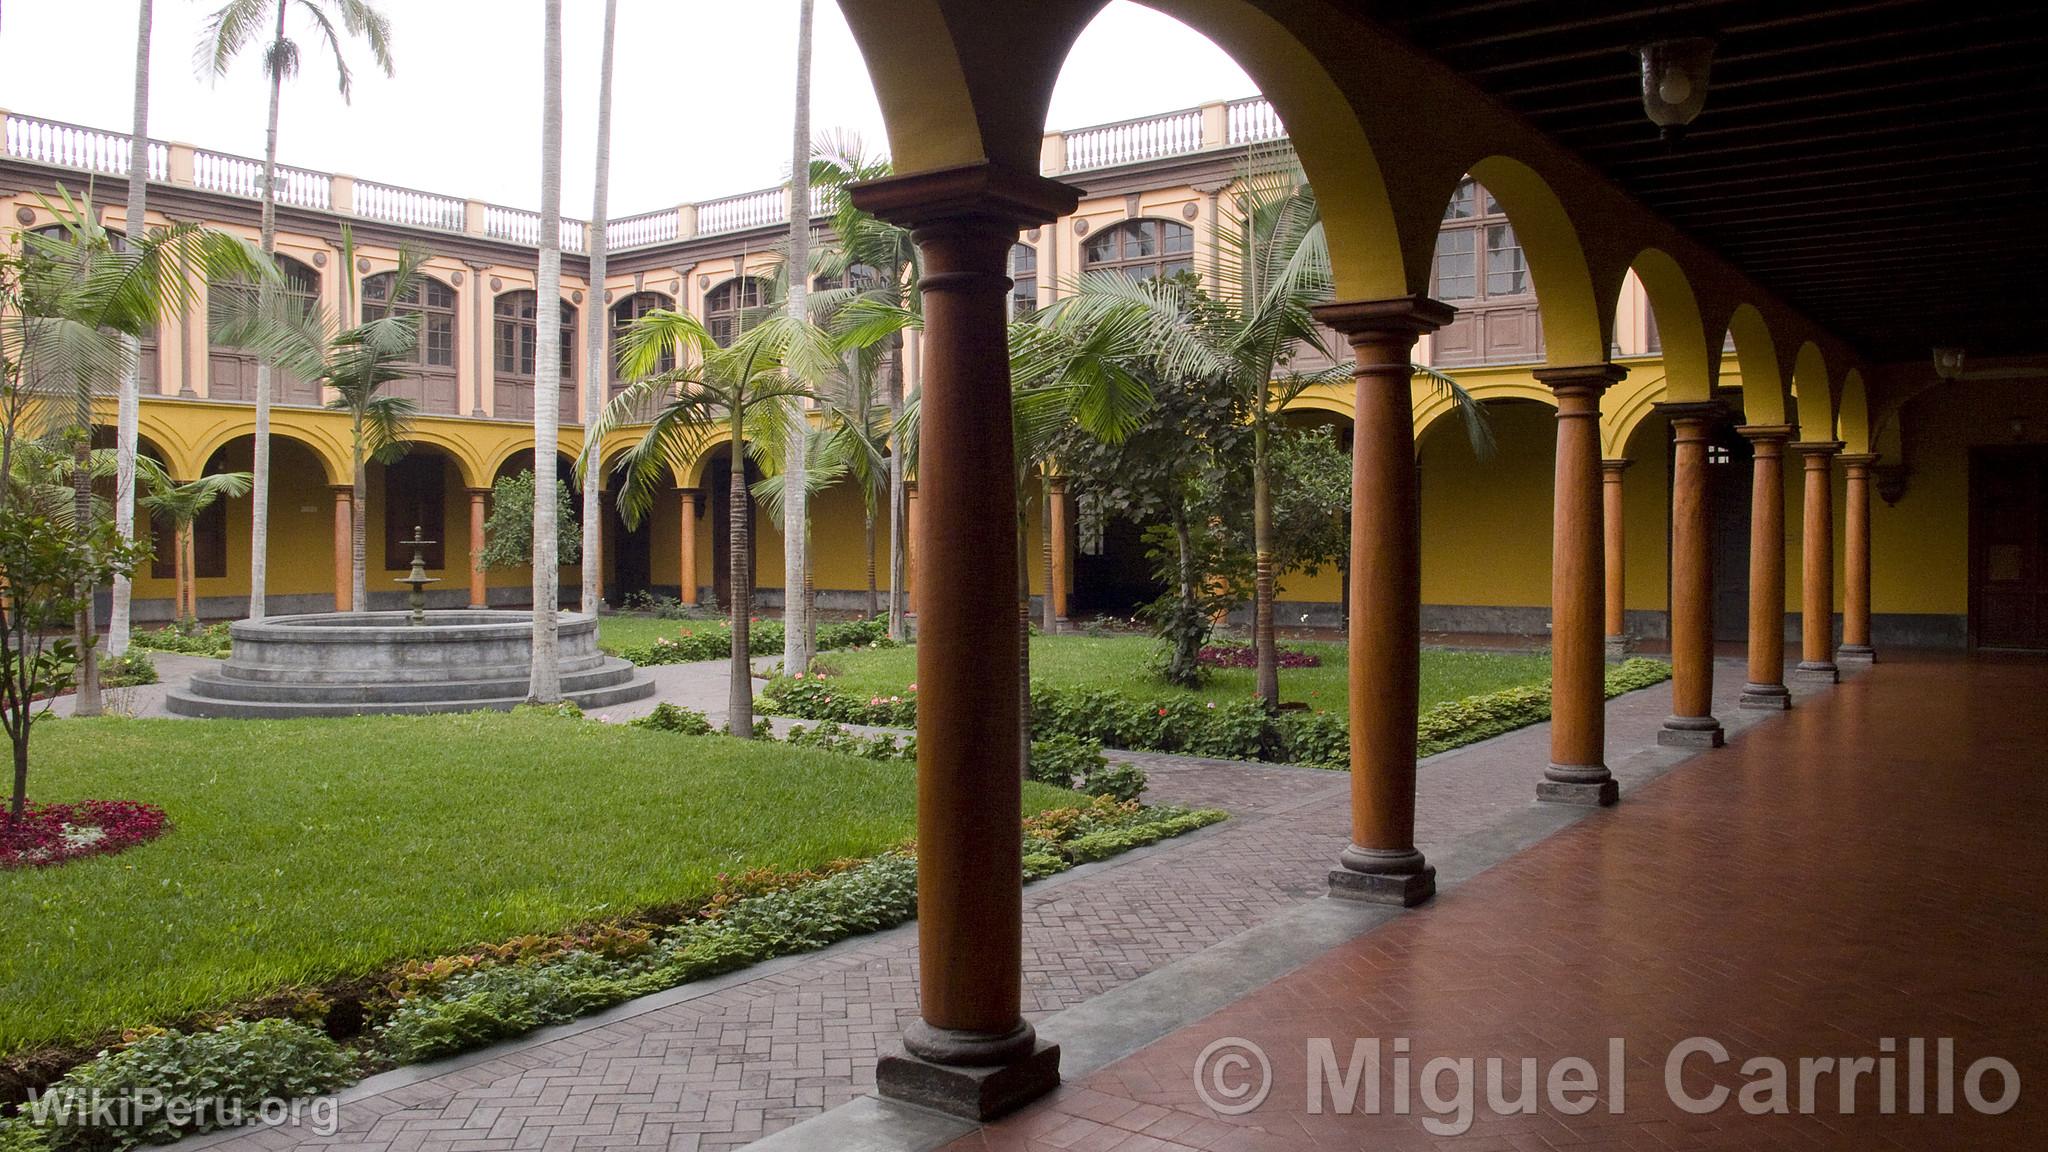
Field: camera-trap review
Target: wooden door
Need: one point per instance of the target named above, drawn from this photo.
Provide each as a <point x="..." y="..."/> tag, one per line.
<point x="2009" y="547"/>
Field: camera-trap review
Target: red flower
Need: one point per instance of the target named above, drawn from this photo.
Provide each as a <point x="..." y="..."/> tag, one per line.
<point x="53" y="833"/>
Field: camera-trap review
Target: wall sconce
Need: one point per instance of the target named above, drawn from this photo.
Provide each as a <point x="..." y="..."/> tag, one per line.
<point x="1675" y="82"/>
<point x="1948" y="364"/>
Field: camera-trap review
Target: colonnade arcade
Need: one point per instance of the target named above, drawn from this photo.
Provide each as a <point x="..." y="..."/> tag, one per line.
<point x="1385" y="134"/>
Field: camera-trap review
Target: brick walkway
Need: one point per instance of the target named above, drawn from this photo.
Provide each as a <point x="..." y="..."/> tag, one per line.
<point x="1873" y="865"/>
<point x="786" y="1041"/>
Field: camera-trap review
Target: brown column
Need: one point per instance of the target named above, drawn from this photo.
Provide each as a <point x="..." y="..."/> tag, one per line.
<point x="1062" y="545"/>
<point x="1578" y="773"/>
<point x="1856" y="647"/>
<point x="1614" y="537"/>
<point x="1381" y="863"/>
<point x="1691" y="723"/>
<point x="344" y="548"/>
<point x="1766" y="684"/>
<point x="686" y="552"/>
<point x="1817" y="563"/>
<point x="479" y="588"/>
<point x="970" y="1051"/>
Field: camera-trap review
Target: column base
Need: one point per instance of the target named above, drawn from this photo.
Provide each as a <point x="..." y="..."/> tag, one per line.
<point x="1398" y="877"/>
<point x="1618" y="648"/>
<point x="1591" y="785"/>
<point x="1691" y="732"/>
<point x="1855" y="654"/>
<point x="970" y="1091"/>
<point x="1765" y="697"/>
<point x="1818" y="671"/>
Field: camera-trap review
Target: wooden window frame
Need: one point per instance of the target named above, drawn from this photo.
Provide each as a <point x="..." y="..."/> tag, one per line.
<point x="725" y="304"/>
<point x="1162" y="262"/>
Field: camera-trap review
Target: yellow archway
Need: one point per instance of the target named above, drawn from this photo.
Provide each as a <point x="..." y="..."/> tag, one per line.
<point x="1852" y="423"/>
<point x="1575" y="330"/>
<point x="1756" y="353"/>
<point x="1815" y="395"/>
<point x="1688" y="367"/>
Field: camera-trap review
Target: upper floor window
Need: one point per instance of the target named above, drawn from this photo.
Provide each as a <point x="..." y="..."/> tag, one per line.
<point x="859" y="277"/>
<point x="726" y="306"/>
<point x="517" y="337"/>
<point x="1477" y="253"/>
<point x="1023" y="281"/>
<point x="229" y="302"/>
<point x="429" y="299"/>
<point x="630" y="309"/>
<point x="1143" y="248"/>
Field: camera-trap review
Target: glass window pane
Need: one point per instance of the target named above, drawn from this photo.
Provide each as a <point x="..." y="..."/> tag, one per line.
<point x="1101" y="248"/>
<point x="1507" y="274"/>
<point x="1456" y="271"/>
<point x="1140" y="241"/>
<point x="1461" y="205"/>
<point x="1179" y="238"/>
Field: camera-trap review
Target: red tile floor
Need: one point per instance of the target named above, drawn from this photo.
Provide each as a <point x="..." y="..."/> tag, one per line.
<point x="1870" y="869"/>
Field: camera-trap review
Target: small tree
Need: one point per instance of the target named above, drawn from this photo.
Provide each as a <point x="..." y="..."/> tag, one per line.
<point x="179" y="505"/>
<point x="50" y="569"/>
<point x="508" y="533"/>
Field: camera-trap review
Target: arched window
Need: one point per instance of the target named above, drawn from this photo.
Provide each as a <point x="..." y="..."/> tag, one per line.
<point x="623" y="314"/>
<point x="1480" y="268"/>
<point x="231" y="372"/>
<point x="1023" y="281"/>
<point x="516" y="346"/>
<point x="431" y="384"/>
<point x="1143" y="248"/>
<point x="726" y="305"/>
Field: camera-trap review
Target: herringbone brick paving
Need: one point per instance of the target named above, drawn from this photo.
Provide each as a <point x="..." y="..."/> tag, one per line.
<point x="1870" y="866"/>
<point x="726" y="1068"/>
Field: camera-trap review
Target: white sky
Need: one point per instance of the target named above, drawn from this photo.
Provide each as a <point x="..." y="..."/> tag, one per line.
<point x="460" y="117"/>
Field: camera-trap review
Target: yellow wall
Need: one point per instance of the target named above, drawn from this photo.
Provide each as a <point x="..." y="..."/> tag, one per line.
<point x="1486" y="523"/>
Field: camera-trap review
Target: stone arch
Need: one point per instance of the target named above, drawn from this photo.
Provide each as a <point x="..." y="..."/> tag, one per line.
<point x="332" y="455"/>
<point x="1688" y="366"/>
<point x="458" y="449"/>
<point x="1852" y="423"/>
<point x="958" y="91"/>
<point x="1756" y="352"/>
<point x="1575" y="327"/>
<point x="1810" y="387"/>
<point x="1431" y="406"/>
<point x="1626" y="409"/>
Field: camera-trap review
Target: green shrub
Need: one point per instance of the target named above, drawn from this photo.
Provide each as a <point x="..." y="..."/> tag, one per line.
<point x="764" y="638"/>
<point x="1116" y="781"/>
<point x="19" y="1135"/>
<point x="668" y="717"/>
<point x="832" y="738"/>
<point x="212" y="640"/>
<point x="240" y="1065"/>
<point x="128" y="670"/>
<point x="814" y="698"/>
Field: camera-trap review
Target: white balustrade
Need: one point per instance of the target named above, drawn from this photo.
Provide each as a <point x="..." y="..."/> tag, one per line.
<point x="646" y="228"/>
<point x="1173" y="134"/>
<point x="71" y="146"/>
<point x="1253" y="121"/>
<point x="405" y="206"/>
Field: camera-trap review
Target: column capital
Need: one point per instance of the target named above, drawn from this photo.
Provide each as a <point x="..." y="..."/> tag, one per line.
<point x="1578" y="377"/>
<point x="1856" y="461"/>
<point x="1689" y="418"/>
<point x="1817" y="450"/>
<point x="1613" y="469"/>
<point x="1397" y="317"/>
<point x="1775" y="434"/>
<point x="478" y="491"/>
<point x="1058" y="485"/>
<point x="342" y="491"/>
<point x="985" y="193"/>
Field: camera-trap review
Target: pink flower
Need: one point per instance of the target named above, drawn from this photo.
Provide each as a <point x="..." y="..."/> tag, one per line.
<point x="912" y="688"/>
<point x="1162" y="711"/>
<point x="1212" y="703"/>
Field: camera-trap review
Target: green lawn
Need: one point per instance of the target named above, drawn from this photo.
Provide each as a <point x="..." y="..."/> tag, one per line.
<point x="617" y="632"/>
<point x="1120" y="662"/>
<point x="310" y="849"/>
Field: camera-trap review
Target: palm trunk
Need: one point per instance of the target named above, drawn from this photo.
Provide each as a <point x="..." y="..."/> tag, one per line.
<point x="545" y="683"/>
<point x="259" y="491"/>
<point x="796" y="512"/>
<point x="1262" y="545"/>
<point x="88" y="672"/>
<point x="597" y="370"/>
<point x="868" y="550"/>
<point x="897" y="504"/>
<point x="1048" y="621"/>
<point x="1023" y="632"/>
<point x="740" y="701"/>
<point x="126" y="431"/>
<point x="1190" y="655"/>
<point x="182" y="574"/>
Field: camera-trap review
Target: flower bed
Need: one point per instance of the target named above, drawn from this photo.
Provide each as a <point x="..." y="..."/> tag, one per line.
<point x="212" y="640"/>
<point x="1234" y="731"/>
<point x="1246" y="656"/>
<point x="50" y="834"/>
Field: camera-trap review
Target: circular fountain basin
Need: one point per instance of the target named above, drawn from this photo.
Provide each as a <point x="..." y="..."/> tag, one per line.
<point x="358" y="663"/>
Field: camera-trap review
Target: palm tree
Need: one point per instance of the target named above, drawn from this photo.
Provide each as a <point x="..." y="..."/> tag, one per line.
<point x="130" y="407"/>
<point x="796" y="529"/>
<point x="752" y="388"/>
<point x="865" y="240"/>
<point x="545" y="684"/>
<point x="596" y="328"/>
<point x="233" y="27"/>
<point x="179" y="505"/>
<point x="83" y="300"/>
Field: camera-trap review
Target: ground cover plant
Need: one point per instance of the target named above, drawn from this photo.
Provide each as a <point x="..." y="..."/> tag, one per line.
<point x="646" y="640"/>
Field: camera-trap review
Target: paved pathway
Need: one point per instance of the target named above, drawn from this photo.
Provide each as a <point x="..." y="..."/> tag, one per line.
<point x="720" y="1066"/>
<point x="1874" y="865"/>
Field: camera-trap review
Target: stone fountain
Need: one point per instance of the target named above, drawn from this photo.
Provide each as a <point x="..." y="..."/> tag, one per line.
<point x="358" y="663"/>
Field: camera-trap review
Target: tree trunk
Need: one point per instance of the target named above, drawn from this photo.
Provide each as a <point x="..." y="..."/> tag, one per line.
<point x="1023" y="633"/>
<point x="739" y="548"/>
<point x="1048" y="620"/>
<point x="898" y="506"/>
<point x="259" y="468"/>
<point x="87" y="674"/>
<point x="126" y="433"/>
<point x="545" y="683"/>
<point x="1188" y="640"/>
<point x="19" y="803"/>
<point x="358" y="534"/>
<point x="868" y="550"/>
<point x="1262" y="583"/>
<point x="597" y="372"/>
<point x="182" y="581"/>
<point x="796" y="512"/>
